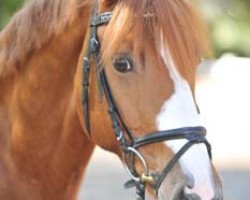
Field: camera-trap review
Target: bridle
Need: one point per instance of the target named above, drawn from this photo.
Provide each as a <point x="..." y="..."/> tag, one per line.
<point x="128" y="142"/>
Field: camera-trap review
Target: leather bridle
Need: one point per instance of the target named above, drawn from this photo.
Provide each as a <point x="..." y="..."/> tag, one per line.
<point x="128" y="142"/>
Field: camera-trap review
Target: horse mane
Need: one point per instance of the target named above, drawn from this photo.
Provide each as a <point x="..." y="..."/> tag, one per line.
<point x="38" y="21"/>
<point x="177" y="21"/>
<point x="32" y="27"/>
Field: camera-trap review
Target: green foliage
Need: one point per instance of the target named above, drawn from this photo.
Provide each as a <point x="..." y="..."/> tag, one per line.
<point x="7" y="8"/>
<point x="228" y="19"/>
<point x="229" y="25"/>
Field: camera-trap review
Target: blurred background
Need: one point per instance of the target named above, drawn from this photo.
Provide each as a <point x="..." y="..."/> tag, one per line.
<point x="223" y="94"/>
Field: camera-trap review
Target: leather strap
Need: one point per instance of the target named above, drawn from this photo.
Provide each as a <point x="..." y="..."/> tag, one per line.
<point x="189" y="133"/>
<point x="93" y="48"/>
<point x="175" y="159"/>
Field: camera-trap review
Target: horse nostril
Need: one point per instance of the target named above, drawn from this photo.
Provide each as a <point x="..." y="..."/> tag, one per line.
<point x="189" y="181"/>
<point x="191" y="197"/>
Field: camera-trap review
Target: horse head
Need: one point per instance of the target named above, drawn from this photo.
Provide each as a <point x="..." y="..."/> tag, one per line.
<point x="136" y="95"/>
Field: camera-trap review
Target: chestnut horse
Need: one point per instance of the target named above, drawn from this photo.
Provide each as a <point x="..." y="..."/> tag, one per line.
<point x="149" y="51"/>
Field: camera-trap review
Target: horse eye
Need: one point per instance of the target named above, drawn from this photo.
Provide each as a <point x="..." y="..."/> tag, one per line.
<point x="122" y="65"/>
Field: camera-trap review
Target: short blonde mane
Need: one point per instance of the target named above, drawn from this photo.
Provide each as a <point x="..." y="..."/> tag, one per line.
<point x="34" y="25"/>
<point x="180" y="24"/>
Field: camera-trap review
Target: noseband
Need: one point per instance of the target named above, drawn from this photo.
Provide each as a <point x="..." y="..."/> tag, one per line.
<point x="128" y="142"/>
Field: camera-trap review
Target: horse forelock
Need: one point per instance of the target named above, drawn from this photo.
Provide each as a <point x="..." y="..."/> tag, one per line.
<point x="146" y="21"/>
<point x="32" y="27"/>
<point x="39" y="21"/>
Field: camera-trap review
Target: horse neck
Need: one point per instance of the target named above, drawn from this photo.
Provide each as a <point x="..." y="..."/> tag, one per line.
<point x="45" y="151"/>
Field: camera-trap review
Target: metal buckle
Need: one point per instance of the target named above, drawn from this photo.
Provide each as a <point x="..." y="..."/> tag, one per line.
<point x="101" y="19"/>
<point x="145" y="177"/>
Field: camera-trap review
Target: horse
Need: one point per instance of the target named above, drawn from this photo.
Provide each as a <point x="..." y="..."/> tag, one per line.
<point x="75" y="74"/>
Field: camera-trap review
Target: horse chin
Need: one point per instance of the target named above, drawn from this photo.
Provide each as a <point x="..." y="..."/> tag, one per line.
<point x="171" y="192"/>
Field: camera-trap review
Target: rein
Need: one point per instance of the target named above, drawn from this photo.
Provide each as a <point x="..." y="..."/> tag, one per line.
<point x="128" y="142"/>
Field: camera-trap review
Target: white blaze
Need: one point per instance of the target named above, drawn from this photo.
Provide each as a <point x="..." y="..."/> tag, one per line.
<point x="180" y="111"/>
